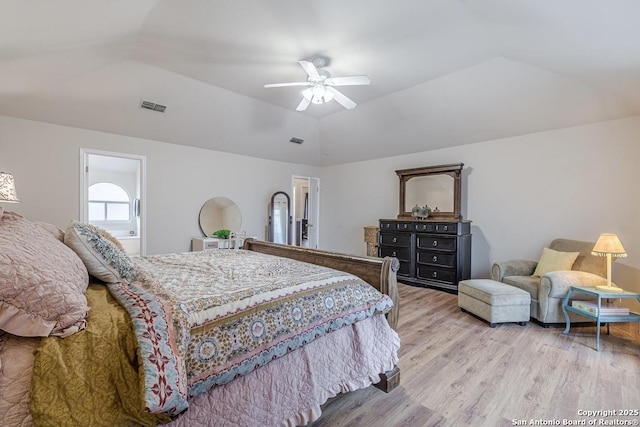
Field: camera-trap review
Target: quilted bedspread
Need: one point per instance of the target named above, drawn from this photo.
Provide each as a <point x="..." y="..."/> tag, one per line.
<point x="205" y="318"/>
<point x="91" y="378"/>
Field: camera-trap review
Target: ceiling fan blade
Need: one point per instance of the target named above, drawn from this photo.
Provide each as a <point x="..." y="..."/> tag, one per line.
<point x="348" y="81"/>
<point x="341" y="99"/>
<point x="303" y="104"/>
<point x="309" y="68"/>
<point x="287" y="84"/>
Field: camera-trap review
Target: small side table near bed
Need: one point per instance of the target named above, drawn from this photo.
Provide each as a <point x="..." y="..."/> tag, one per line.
<point x="597" y="315"/>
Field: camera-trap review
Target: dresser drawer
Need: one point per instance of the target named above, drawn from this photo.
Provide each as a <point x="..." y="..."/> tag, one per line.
<point x="396" y="226"/>
<point x="437" y="243"/>
<point x="445" y="227"/>
<point x="434" y="273"/>
<point x="424" y="227"/>
<point x="387" y="225"/>
<point x="404" y="226"/>
<point x="395" y="239"/>
<point x="437" y="258"/>
<point x="403" y="254"/>
<point x="405" y="269"/>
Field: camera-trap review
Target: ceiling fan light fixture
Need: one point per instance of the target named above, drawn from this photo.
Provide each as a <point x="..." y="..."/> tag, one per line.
<point x="321" y="86"/>
<point x="318" y="94"/>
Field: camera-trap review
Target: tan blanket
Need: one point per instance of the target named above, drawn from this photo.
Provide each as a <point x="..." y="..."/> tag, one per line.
<point x="91" y="377"/>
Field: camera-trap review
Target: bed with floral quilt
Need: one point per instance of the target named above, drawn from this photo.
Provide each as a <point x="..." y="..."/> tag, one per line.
<point x="259" y="336"/>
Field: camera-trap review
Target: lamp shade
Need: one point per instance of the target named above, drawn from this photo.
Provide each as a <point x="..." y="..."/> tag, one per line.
<point x="8" y="188"/>
<point x="609" y="244"/>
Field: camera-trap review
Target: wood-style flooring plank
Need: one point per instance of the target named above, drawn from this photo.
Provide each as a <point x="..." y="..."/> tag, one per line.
<point x="457" y="371"/>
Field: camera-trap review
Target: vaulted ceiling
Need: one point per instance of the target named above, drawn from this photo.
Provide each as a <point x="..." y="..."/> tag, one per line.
<point x="443" y="72"/>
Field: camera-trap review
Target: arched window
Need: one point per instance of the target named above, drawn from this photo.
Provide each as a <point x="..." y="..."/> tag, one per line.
<point x="108" y="202"/>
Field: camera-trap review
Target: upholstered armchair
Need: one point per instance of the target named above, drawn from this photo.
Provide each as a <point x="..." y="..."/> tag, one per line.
<point x="548" y="290"/>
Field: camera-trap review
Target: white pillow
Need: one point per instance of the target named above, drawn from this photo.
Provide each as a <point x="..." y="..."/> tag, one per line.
<point x="103" y="258"/>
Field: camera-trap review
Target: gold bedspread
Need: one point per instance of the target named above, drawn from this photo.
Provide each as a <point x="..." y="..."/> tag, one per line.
<point x="91" y="378"/>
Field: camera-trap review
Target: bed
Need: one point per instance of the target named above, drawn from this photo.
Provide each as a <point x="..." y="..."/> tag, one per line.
<point x="259" y="336"/>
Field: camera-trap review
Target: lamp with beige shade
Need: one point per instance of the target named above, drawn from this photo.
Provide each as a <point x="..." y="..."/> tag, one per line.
<point x="7" y="190"/>
<point x="609" y="245"/>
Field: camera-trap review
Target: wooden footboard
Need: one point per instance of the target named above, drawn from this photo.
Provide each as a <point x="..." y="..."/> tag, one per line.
<point x="378" y="272"/>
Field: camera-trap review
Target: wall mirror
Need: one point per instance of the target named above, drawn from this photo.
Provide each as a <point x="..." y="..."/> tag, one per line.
<point x="280" y="218"/>
<point x="438" y="187"/>
<point x="219" y="213"/>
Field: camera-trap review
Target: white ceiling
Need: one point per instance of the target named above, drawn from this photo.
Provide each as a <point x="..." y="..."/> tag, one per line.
<point x="443" y="72"/>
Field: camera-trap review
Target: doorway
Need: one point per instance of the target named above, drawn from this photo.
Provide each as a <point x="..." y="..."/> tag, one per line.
<point x="306" y="211"/>
<point x="112" y="196"/>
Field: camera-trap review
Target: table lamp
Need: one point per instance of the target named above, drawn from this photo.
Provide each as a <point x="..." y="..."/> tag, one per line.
<point x="608" y="245"/>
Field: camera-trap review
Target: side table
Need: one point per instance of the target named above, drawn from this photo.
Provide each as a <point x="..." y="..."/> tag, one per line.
<point x="599" y="318"/>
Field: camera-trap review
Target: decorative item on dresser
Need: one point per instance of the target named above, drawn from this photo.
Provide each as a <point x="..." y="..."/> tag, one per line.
<point x="434" y="252"/>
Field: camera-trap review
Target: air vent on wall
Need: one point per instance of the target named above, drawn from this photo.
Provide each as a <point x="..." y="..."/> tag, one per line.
<point x="148" y="105"/>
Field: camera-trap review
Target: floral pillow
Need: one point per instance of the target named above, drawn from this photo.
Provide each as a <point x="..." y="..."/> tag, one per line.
<point x="42" y="281"/>
<point x="101" y="253"/>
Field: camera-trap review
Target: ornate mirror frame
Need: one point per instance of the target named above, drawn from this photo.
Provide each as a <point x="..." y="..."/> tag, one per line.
<point x="454" y="170"/>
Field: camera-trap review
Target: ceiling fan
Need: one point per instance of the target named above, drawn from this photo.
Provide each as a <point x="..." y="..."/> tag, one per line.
<point x="321" y="86"/>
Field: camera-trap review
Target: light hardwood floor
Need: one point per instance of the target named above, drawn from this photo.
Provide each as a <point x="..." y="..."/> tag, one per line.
<point x="457" y="371"/>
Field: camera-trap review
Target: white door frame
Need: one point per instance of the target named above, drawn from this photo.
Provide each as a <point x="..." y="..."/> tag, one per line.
<point x="314" y="202"/>
<point x="84" y="193"/>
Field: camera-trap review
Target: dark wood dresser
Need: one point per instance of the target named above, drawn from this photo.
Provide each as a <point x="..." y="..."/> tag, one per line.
<point x="432" y="253"/>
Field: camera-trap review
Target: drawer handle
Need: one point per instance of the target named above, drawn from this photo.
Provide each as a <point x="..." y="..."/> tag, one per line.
<point x="393" y="253"/>
<point x="435" y="258"/>
<point x="404" y="226"/>
<point x="395" y="240"/>
<point x="434" y="274"/>
<point x="435" y="243"/>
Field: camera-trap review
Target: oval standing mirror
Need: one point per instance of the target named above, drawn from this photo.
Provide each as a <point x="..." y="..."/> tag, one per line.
<point x="219" y="213"/>
<point x="280" y="218"/>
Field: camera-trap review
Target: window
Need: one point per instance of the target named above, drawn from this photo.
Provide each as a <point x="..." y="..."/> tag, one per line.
<point x="108" y="202"/>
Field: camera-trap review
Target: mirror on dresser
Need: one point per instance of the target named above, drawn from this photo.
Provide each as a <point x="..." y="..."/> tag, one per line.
<point x="432" y="246"/>
<point x="438" y="187"/>
<point x="218" y="213"/>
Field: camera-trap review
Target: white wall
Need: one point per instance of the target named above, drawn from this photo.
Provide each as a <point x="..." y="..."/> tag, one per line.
<point x="519" y="192"/>
<point x="45" y="160"/>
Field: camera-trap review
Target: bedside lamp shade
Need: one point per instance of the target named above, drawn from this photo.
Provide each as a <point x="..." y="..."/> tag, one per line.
<point x="8" y="188"/>
<point x="609" y="245"/>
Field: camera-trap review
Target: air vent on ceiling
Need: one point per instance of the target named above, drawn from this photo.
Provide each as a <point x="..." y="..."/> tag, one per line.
<point x="296" y="140"/>
<point x="148" y="105"/>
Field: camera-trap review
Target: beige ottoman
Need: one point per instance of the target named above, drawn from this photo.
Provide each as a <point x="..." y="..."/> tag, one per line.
<point x="493" y="301"/>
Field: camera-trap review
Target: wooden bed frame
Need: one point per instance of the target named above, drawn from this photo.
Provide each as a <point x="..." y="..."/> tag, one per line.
<point x="378" y="272"/>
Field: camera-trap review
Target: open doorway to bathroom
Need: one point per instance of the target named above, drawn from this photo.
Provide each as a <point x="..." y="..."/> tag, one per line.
<point x="112" y="196"/>
<point x="306" y="208"/>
